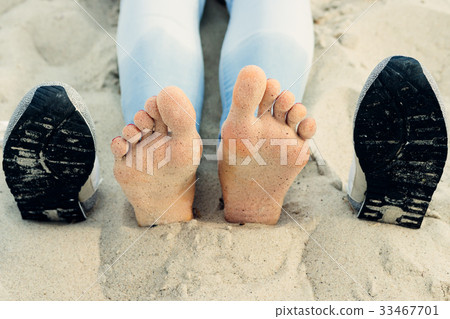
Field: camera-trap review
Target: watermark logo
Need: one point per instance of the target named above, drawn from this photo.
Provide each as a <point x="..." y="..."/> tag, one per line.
<point x="155" y="141"/>
<point x="150" y="152"/>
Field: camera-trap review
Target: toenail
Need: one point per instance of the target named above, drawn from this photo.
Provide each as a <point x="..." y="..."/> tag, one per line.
<point x="115" y="138"/>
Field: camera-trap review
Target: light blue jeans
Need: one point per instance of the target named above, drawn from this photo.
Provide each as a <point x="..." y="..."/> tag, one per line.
<point x="159" y="45"/>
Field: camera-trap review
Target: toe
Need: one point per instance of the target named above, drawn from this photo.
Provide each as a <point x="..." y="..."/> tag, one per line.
<point x="176" y="110"/>
<point x="248" y="91"/>
<point x="271" y="93"/>
<point x="296" y="114"/>
<point x="152" y="109"/>
<point x="307" y="128"/>
<point x="143" y="121"/>
<point x="283" y="104"/>
<point x="119" y="147"/>
<point x="131" y="133"/>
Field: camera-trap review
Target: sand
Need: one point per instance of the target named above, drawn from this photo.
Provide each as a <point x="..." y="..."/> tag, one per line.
<point x="323" y="253"/>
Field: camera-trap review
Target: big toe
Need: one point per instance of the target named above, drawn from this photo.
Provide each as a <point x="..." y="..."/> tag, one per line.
<point x="176" y="110"/>
<point x="248" y="90"/>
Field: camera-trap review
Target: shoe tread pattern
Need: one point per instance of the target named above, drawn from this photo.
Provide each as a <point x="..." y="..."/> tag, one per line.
<point x="48" y="157"/>
<point x="401" y="142"/>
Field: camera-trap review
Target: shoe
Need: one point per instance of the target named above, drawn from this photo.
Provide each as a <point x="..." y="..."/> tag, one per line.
<point x="49" y="155"/>
<point x="400" y="140"/>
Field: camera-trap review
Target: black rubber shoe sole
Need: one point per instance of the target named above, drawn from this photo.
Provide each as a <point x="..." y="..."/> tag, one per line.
<point x="401" y="142"/>
<point x="48" y="157"/>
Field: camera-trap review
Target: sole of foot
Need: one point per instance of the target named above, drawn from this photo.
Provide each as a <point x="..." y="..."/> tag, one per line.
<point x="400" y="140"/>
<point x="157" y="168"/>
<point x="49" y="153"/>
<point x="261" y="156"/>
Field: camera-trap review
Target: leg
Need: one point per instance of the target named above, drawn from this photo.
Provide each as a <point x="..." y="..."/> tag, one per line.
<point x="157" y="169"/>
<point x="159" y="45"/>
<point x="277" y="36"/>
<point x="261" y="157"/>
<point x="262" y="154"/>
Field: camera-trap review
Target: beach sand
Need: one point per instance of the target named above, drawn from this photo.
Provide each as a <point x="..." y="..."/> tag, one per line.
<point x="322" y="253"/>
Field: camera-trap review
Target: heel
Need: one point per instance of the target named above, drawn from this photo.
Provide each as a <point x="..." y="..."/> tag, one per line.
<point x="71" y="212"/>
<point x="394" y="202"/>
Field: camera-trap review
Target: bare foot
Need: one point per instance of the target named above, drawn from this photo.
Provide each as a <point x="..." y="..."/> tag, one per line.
<point x="254" y="173"/>
<point x="155" y="168"/>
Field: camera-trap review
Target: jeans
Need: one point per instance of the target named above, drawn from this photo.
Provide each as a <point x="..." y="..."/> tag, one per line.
<point x="159" y="45"/>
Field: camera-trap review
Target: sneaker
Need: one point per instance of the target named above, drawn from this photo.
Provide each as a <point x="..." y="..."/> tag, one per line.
<point x="49" y="155"/>
<point x="400" y="141"/>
